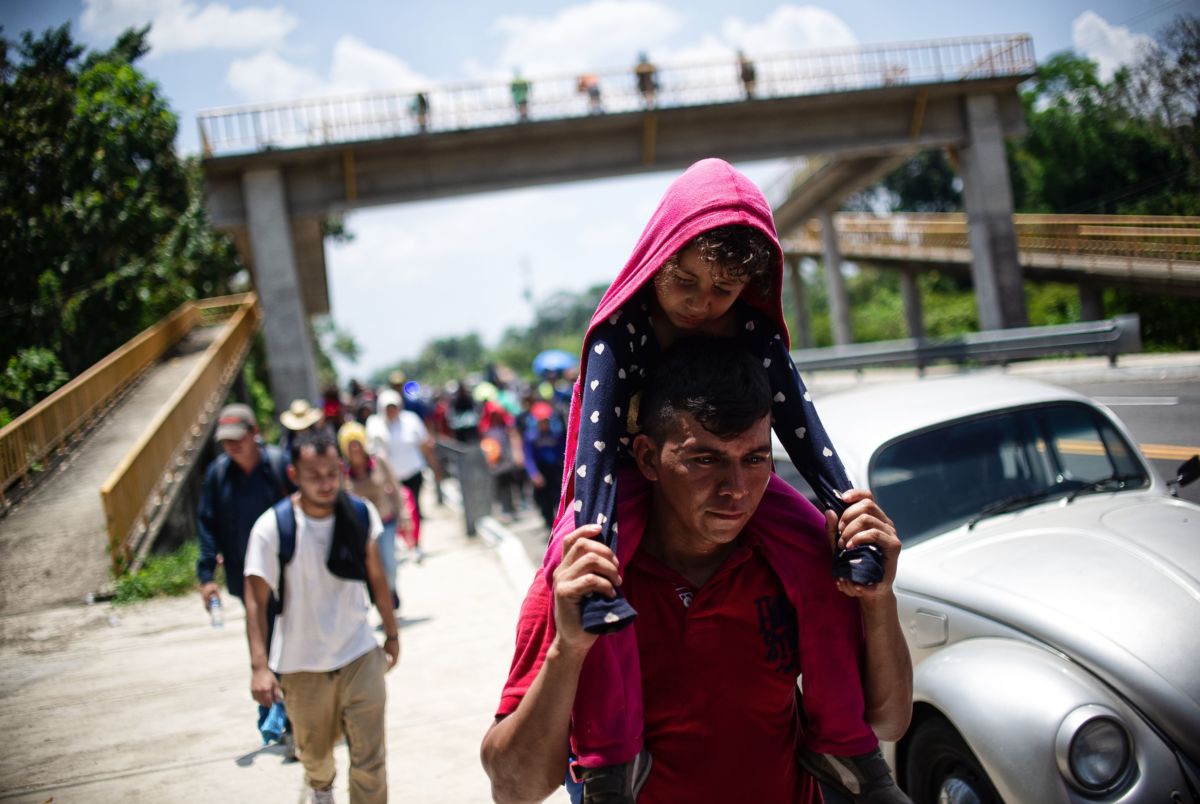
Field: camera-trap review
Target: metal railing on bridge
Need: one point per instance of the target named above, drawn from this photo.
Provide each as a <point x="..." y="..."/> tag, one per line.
<point x="1136" y="246"/>
<point x="136" y="491"/>
<point x="460" y="106"/>
<point x="33" y="438"/>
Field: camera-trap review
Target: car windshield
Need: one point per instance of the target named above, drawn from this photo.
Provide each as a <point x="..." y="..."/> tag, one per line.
<point x="940" y="478"/>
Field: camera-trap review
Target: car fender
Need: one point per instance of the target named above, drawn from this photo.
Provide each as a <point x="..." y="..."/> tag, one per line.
<point x="1008" y="699"/>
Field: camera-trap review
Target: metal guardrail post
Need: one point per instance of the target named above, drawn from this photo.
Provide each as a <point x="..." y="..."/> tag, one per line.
<point x="469" y="466"/>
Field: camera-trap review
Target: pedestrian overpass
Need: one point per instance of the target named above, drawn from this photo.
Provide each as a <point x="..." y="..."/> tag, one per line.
<point x="89" y="475"/>
<point x="274" y="173"/>
<point x="1150" y="253"/>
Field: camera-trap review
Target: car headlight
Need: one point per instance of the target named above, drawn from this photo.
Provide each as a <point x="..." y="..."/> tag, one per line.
<point x="1093" y="748"/>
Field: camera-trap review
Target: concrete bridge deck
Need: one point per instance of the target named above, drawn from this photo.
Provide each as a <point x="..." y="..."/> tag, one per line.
<point x="53" y="544"/>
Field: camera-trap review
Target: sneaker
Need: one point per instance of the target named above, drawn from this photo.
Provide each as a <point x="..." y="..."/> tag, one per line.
<point x="865" y="777"/>
<point x="316" y="796"/>
<point x="616" y="784"/>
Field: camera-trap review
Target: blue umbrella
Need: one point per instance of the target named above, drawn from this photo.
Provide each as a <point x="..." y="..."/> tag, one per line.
<point x="553" y="360"/>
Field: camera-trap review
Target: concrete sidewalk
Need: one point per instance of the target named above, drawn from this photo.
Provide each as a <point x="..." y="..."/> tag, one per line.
<point x="149" y="703"/>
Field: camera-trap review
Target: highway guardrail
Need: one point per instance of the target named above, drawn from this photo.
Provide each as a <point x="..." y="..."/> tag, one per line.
<point x="1113" y="337"/>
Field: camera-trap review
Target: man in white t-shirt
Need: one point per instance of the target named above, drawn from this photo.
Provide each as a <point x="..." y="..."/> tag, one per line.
<point x="400" y="436"/>
<point x="329" y="665"/>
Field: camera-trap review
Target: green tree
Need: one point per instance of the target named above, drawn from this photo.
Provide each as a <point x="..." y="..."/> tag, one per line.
<point x="332" y="341"/>
<point x="1085" y="152"/>
<point x="102" y="225"/>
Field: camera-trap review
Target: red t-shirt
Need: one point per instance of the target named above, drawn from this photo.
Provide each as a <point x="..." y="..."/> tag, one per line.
<point x="719" y="667"/>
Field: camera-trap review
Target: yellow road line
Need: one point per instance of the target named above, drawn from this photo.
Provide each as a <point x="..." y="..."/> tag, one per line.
<point x="1168" y="452"/>
<point x="1155" y="452"/>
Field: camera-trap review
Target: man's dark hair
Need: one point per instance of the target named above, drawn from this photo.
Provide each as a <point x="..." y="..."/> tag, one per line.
<point x="318" y="440"/>
<point x="714" y="379"/>
<point x="735" y="251"/>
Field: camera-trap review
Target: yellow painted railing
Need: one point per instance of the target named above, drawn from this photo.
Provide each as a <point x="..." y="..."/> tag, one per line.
<point x="133" y="491"/>
<point x="1168" y="238"/>
<point x="33" y="436"/>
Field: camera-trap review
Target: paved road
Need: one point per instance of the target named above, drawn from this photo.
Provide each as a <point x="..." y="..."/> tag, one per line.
<point x="53" y="543"/>
<point x="1159" y="413"/>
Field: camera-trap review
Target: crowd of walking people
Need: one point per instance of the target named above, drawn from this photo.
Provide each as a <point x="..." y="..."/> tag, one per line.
<point x="347" y="475"/>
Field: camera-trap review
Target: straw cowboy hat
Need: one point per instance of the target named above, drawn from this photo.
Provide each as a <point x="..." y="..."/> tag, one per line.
<point x="300" y="415"/>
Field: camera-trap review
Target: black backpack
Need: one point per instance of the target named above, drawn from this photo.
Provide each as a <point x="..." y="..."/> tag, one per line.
<point x="347" y="550"/>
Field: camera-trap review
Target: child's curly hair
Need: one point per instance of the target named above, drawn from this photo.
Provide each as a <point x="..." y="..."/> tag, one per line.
<point x="734" y="252"/>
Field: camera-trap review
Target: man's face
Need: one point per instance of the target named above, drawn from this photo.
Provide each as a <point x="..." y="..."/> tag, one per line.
<point x="318" y="476"/>
<point x="708" y="486"/>
<point x="241" y="450"/>
<point x="393" y="412"/>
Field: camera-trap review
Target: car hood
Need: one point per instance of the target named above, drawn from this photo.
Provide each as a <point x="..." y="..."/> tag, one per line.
<point x="1111" y="580"/>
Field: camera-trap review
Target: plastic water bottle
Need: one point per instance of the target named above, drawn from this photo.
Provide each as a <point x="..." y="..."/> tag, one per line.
<point x="274" y="724"/>
<point x="215" y="614"/>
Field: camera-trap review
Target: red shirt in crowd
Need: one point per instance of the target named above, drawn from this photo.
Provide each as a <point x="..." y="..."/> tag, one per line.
<point x="719" y="666"/>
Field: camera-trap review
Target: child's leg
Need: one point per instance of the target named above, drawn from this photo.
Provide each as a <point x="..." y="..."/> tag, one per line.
<point x="801" y="433"/>
<point x="612" y="372"/>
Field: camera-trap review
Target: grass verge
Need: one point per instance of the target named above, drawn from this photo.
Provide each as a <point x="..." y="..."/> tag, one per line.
<point x="163" y="575"/>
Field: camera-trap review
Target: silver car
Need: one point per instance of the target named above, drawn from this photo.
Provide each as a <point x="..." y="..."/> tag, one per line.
<point x="1049" y="589"/>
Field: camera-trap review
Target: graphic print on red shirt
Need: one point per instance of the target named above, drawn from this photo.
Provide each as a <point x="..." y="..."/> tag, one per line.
<point x="718" y="676"/>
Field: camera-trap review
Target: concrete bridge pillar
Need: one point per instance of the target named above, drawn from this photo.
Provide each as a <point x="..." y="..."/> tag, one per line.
<point x="839" y="302"/>
<point x="911" y="294"/>
<point x="1091" y="302"/>
<point x="802" y="332"/>
<point x="285" y="323"/>
<point x="987" y="195"/>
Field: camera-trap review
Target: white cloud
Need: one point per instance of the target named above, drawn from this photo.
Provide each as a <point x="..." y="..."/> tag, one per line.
<point x="598" y="34"/>
<point x="1110" y="46"/>
<point x="355" y="67"/>
<point x="610" y="33"/>
<point x="788" y="29"/>
<point x="267" y="76"/>
<point x="178" y="25"/>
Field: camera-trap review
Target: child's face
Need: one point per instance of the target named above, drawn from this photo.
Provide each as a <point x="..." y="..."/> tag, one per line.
<point x="693" y="293"/>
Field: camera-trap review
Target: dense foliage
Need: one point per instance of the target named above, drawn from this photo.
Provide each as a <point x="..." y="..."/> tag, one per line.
<point x="102" y="224"/>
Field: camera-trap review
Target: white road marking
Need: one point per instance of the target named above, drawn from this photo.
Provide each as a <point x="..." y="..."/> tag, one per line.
<point x="1139" y="401"/>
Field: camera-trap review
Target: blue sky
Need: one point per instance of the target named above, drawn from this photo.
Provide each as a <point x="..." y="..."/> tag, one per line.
<point x="389" y="287"/>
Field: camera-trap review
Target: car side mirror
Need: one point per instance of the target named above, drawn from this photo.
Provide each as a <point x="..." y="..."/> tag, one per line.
<point x="1187" y="473"/>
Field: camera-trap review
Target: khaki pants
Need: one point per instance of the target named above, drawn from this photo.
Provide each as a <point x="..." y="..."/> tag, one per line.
<point x="349" y="701"/>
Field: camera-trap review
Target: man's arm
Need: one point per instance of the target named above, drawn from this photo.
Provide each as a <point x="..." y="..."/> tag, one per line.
<point x="264" y="687"/>
<point x="887" y="677"/>
<point x="205" y="523"/>
<point x="382" y="596"/>
<point x="525" y="754"/>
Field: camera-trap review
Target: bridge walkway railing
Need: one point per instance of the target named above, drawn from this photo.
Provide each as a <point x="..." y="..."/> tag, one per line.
<point x="480" y="104"/>
<point x="139" y="490"/>
<point x="1157" y="246"/>
<point x="48" y="428"/>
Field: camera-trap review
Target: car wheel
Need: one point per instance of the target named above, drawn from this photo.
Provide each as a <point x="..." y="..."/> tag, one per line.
<point x="940" y="768"/>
